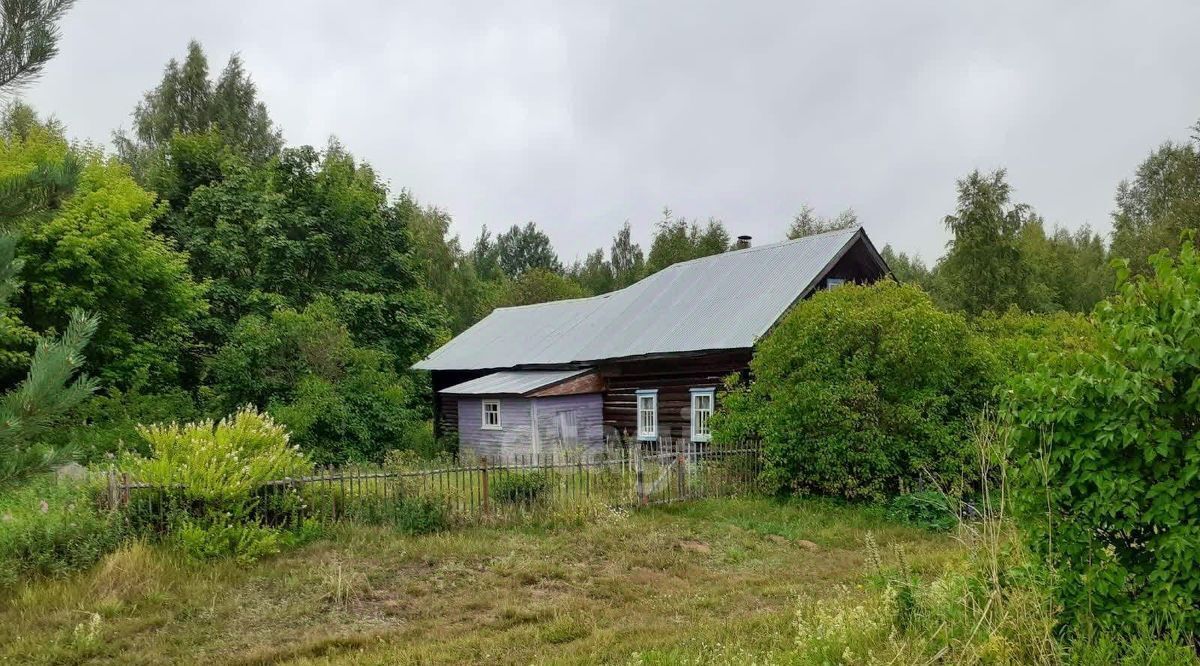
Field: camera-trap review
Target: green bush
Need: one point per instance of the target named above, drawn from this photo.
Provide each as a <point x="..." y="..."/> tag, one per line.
<point x="1107" y="443"/>
<point x="208" y="485"/>
<point x="341" y="402"/>
<point x="420" y="515"/>
<point x="926" y="509"/>
<point x="51" y="528"/>
<point x="108" y="422"/>
<point x="858" y="390"/>
<point x="521" y="487"/>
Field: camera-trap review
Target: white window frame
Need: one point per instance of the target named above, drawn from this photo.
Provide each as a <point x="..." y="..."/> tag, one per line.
<point x="833" y="282"/>
<point x="711" y="394"/>
<point x="483" y="415"/>
<point x="647" y="431"/>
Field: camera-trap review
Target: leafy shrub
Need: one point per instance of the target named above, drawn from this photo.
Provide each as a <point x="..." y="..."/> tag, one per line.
<point x="205" y="539"/>
<point x="1017" y="342"/>
<point x="857" y="390"/>
<point x="927" y="509"/>
<point x="341" y="402"/>
<point x="208" y="484"/>
<point x="420" y="515"/>
<point x="108" y="422"/>
<point x="520" y="487"/>
<point x="220" y="462"/>
<point x="1107" y="444"/>
<point x="50" y="528"/>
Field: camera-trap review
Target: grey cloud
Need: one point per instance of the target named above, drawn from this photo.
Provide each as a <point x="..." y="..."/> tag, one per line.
<point x="580" y="115"/>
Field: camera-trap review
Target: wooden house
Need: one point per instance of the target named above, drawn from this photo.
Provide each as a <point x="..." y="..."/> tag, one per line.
<point x="643" y="362"/>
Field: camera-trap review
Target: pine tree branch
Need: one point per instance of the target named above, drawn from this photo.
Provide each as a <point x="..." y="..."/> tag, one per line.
<point x="28" y="38"/>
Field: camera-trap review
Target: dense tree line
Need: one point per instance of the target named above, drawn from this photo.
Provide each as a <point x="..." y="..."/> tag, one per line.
<point x="206" y="264"/>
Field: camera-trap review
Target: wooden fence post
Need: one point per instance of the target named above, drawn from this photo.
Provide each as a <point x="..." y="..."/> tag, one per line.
<point x="483" y="466"/>
<point x="124" y="489"/>
<point x="112" y="490"/>
<point x="680" y="471"/>
<point x="642" y="500"/>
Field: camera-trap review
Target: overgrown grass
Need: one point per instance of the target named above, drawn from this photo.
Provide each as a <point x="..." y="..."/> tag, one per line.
<point x="749" y="581"/>
<point x="628" y="585"/>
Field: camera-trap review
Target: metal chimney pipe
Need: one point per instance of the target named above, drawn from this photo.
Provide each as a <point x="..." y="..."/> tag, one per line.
<point x="743" y="242"/>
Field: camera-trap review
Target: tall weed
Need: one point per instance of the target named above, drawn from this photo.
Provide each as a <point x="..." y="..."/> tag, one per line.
<point x="50" y="528"/>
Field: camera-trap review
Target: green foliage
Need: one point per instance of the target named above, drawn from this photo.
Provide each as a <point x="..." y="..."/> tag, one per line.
<point x="521" y="487"/>
<point x="107" y="424"/>
<point x="808" y="223"/>
<point x="28" y="39"/>
<point x="908" y="269"/>
<point x="858" y="391"/>
<point x="1107" y="447"/>
<point x="540" y="286"/>
<point x="204" y="539"/>
<point x="926" y="509"/>
<point x="419" y="515"/>
<point x="341" y="401"/>
<point x="594" y="274"/>
<point x="15" y="336"/>
<point x="525" y="248"/>
<point x="983" y="269"/>
<point x="1067" y="271"/>
<point x="222" y="462"/>
<point x="1018" y="342"/>
<point x="598" y="275"/>
<point x="38" y="168"/>
<point x="1158" y="205"/>
<point x="187" y="102"/>
<point x="445" y="268"/>
<point x="208" y="485"/>
<point x="628" y="264"/>
<point x="305" y="225"/>
<point x="99" y="254"/>
<point x="49" y="392"/>
<point x="676" y="240"/>
<point x="52" y="528"/>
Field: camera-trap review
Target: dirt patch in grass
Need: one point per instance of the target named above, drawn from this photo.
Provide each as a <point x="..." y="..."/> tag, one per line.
<point x="580" y="594"/>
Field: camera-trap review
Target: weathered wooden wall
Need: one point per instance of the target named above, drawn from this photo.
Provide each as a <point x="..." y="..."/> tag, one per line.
<point x="857" y="265"/>
<point x="674" y="378"/>
<point x="445" y="407"/>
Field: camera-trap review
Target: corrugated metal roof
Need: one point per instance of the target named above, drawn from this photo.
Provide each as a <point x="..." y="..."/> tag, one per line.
<point x="725" y="301"/>
<point x="511" y="382"/>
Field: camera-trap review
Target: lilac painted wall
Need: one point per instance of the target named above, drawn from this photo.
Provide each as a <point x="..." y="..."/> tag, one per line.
<point x="588" y="415"/>
<point x="516" y="434"/>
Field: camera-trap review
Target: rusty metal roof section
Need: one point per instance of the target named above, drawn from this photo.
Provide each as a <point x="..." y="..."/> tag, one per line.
<point x="725" y="301"/>
<point x="512" y="382"/>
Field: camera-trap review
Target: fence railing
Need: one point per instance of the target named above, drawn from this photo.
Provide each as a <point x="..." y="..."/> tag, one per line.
<point x="636" y="475"/>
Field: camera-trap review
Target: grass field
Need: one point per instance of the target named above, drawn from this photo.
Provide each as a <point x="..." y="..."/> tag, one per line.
<point x="654" y="586"/>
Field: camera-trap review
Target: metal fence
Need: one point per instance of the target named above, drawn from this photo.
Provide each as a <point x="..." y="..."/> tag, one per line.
<point x="624" y="477"/>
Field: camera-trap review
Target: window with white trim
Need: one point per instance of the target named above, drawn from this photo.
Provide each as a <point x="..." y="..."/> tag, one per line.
<point x="491" y="415"/>
<point x="647" y="411"/>
<point x="703" y="400"/>
<point x="831" y="283"/>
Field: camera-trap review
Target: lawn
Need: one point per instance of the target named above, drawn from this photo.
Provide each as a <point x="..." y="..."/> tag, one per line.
<point x="651" y="586"/>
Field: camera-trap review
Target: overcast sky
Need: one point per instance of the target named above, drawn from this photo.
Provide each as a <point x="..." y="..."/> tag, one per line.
<point x="579" y="116"/>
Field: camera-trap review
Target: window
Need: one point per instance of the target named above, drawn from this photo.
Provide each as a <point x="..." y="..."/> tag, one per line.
<point x="647" y="410"/>
<point x="702" y="409"/>
<point x="830" y="283"/>
<point x="568" y="430"/>
<point x="491" y="415"/>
